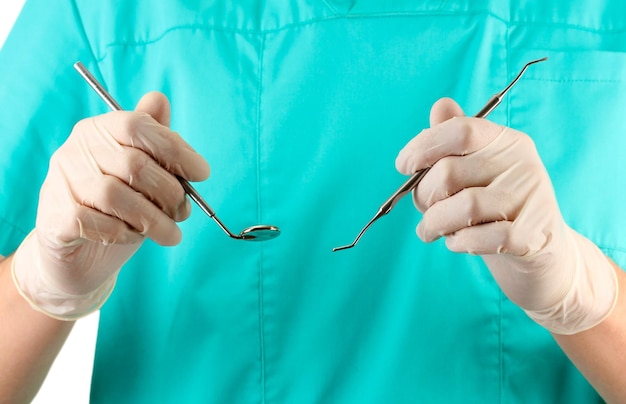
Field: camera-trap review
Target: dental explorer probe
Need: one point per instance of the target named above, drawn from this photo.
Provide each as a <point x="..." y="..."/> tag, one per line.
<point x="415" y="179"/>
<point x="259" y="232"/>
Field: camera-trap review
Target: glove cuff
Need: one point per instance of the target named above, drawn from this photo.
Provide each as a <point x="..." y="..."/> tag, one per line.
<point x="44" y="297"/>
<point x="591" y="296"/>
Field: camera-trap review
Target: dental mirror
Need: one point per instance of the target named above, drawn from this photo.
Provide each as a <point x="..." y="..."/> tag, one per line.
<point x="259" y="232"/>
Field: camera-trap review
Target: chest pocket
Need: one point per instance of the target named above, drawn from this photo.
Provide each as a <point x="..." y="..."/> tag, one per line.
<point x="573" y="107"/>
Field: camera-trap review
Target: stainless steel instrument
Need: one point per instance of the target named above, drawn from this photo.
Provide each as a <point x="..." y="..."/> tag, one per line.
<point x="415" y="179"/>
<point x="259" y="232"/>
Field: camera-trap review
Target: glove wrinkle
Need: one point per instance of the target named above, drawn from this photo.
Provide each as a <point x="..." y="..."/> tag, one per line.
<point x="489" y="194"/>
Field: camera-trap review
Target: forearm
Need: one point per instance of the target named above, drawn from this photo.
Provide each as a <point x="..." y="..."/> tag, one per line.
<point x="29" y="342"/>
<point x="600" y="353"/>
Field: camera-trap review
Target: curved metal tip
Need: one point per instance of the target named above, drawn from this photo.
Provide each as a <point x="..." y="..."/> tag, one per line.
<point x="358" y="237"/>
<point x="519" y="75"/>
<point x="344" y="247"/>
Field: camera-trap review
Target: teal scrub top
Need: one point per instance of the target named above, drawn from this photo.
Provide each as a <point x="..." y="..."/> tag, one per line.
<point x="300" y="108"/>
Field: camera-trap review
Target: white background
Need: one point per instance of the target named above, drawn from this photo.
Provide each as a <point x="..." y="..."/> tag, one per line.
<point x="8" y="12"/>
<point x="69" y="379"/>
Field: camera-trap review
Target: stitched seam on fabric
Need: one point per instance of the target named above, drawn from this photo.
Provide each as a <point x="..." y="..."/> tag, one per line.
<point x="208" y="27"/>
<point x="428" y="13"/>
<point x="15" y="226"/>
<point x="507" y="66"/>
<point x="565" y="25"/>
<point x="83" y="33"/>
<point x="17" y="229"/>
<point x="350" y="16"/>
<point x="573" y="80"/>
<point x="259" y="214"/>
<point x="616" y="249"/>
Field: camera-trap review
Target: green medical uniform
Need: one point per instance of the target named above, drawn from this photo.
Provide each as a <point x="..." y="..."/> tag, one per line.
<point x="301" y="107"/>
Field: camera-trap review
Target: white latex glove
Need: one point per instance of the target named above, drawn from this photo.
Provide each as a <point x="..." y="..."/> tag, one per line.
<point x="108" y="187"/>
<point x="488" y="193"/>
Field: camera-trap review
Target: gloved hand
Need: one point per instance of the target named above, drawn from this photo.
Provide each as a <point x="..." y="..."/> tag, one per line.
<point x="488" y="193"/>
<point x="108" y="187"/>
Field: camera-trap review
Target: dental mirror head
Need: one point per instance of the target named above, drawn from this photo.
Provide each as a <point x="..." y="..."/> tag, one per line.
<point x="258" y="232"/>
